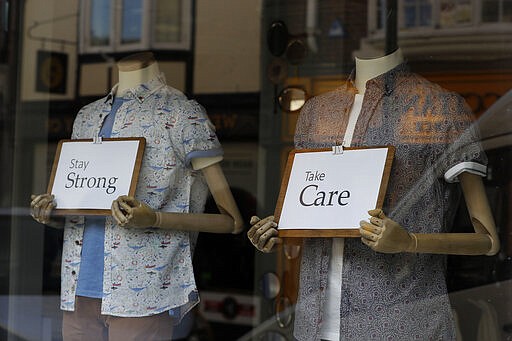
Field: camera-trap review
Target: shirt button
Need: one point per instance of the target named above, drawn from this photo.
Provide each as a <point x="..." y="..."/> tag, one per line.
<point x="73" y="272"/>
<point x="77" y="242"/>
<point x="101" y="115"/>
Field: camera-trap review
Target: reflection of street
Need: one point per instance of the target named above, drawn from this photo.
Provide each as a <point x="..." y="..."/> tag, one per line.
<point x="31" y="317"/>
<point x="482" y="313"/>
<point x="496" y="123"/>
<point x="271" y="330"/>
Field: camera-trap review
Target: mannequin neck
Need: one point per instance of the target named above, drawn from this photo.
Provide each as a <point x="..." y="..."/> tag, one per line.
<point x="367" y="69"/>
<point x="131" y="76"/>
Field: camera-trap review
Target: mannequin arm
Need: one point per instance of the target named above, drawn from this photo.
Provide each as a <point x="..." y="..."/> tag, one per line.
<point x="263" y="234"/>
<point x="128" y="211"/>
<point x="385" y="235"/>
<point x="41" y="207"/>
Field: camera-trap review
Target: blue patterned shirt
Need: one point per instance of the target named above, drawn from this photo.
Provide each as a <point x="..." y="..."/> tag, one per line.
<point x="148" y="271"/>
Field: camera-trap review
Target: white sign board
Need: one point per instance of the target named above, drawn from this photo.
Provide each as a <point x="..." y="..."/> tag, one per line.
<point x="89" y="176"/>
<point x="327" y="191"/>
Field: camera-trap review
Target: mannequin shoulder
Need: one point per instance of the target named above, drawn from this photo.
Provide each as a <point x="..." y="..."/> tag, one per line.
<point x="419" y="83"/>
<point x="328" y="101"/>
<point x="173" y="103"/>
<point x="91" y="108"/>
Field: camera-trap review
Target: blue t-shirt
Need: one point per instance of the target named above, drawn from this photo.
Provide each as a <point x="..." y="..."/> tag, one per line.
<point x="90" y="277"/>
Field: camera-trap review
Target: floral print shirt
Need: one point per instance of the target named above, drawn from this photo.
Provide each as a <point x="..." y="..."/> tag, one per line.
<point x="148" y="271"/>
<point x="391" y="296"/>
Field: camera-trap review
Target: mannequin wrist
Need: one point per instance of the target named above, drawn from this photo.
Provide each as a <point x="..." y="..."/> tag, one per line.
<point x="158" y="219"/>
<point x="413" y="244"/>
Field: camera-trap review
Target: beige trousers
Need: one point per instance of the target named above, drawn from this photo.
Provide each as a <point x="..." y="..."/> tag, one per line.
<point x="87" y="323"/>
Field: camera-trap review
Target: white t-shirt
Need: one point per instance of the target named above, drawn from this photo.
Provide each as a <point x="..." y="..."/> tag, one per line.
<point x="331" y="318"/>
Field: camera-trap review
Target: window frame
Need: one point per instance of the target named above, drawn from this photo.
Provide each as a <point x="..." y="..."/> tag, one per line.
<point x="146" y="41"/>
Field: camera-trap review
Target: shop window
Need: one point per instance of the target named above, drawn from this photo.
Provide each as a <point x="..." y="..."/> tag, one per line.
<point x="121" y="25"/>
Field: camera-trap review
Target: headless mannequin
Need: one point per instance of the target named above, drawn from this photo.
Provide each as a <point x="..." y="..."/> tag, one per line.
<point x="128" y="211"/>
<point x="385" y="235"/>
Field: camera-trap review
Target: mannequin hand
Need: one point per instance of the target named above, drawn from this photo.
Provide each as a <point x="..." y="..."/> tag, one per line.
<point x="263" y="234"/>
<point x="129" y="212"/>
<point x="385" y="235"/>
<point x="41" y="207"/>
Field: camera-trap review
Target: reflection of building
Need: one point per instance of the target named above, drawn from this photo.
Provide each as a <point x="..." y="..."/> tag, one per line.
<point x="445" y="29"/>
<point x="463" y="45"/>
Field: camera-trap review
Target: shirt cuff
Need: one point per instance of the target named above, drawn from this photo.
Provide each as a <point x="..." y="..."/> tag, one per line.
<point x="211" y="156"/>
<point x="452" y="174"/>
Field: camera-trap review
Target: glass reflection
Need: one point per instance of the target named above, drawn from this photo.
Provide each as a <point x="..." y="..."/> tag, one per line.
<point x="270" y="285"/>
<point x="101" y="13"/>
<point x="296" y="52"/>
<point x="284" y="312"/>
<point x="292" y="99"/>
<point x="131" y="22"/>
<point x="291" y="251"/>
<point x="167" y="21"/>
<point x="272" y="336"/>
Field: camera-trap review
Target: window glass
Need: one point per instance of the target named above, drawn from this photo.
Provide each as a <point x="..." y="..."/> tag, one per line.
<point x="455" y="13"/>
<point x="168" y="21"/>
<point x="131" y="21"/>
<point x="262" y="78"/>
<point x="100" y="22"/>
<point x="381" y="12"/>
<point x="496" y="11"/>
<point x="417" y="13"/>
<point x="507" y="11"/>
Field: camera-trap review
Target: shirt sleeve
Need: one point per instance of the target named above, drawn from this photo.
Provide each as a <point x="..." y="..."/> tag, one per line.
<point x="463" y="148"/>
<point x="197" y="138"/>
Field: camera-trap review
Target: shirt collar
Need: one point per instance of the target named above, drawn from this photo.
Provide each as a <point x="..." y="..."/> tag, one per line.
<point x="141" y="91"/>
<point x="387" y="81"/>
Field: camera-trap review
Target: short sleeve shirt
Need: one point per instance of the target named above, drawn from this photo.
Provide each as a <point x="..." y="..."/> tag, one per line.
<point x="391" y="296"/>
<point x="148" y="271"/>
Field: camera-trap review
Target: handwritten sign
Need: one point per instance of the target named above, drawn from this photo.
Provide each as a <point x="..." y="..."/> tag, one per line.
<point x="325" y="194"/>
<point x="87" y="177"/>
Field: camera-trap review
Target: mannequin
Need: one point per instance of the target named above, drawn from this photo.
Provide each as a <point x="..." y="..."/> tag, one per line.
<point x="381" y="233"/>
<point x="386" y="84"/>
<point x="147" y="243"/>
<point x="134" y="70"/>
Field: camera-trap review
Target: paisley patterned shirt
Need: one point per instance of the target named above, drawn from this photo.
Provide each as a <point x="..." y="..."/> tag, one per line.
<point x="391" y="296"/>
<point x="148" y="271"/>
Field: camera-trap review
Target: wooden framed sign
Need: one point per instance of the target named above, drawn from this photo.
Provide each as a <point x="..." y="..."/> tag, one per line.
<point x="87" y="176"/>
<point x="327" y="194"/>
